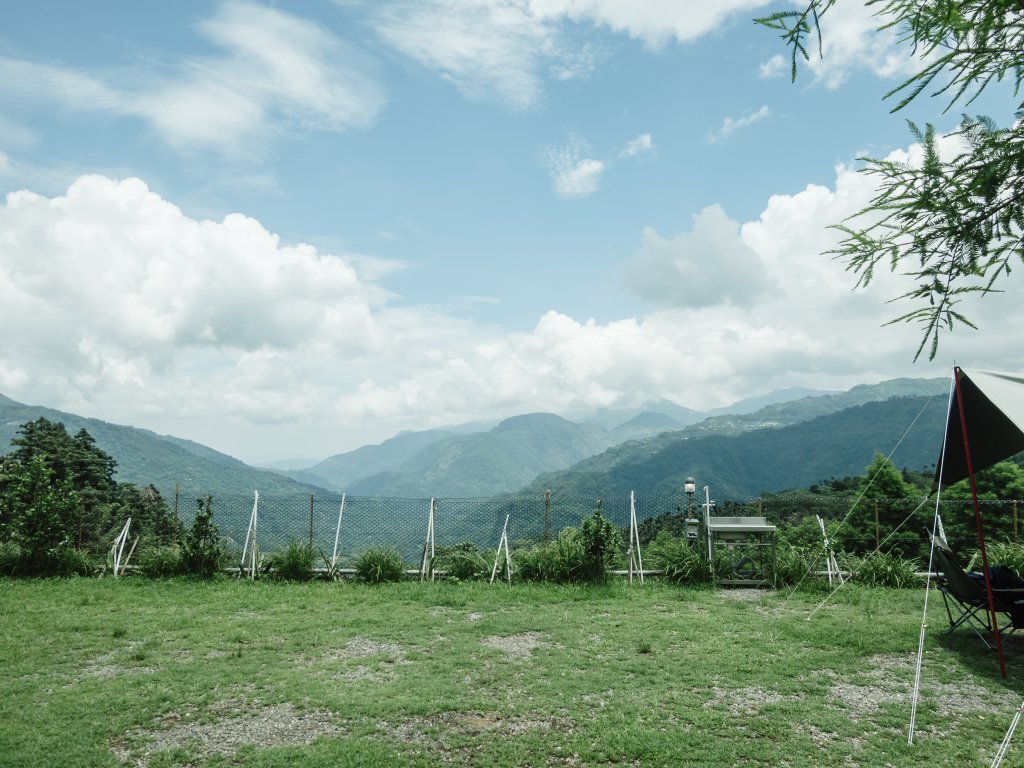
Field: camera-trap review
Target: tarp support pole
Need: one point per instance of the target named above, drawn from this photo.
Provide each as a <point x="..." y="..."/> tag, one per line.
<point x="977" y="523"/>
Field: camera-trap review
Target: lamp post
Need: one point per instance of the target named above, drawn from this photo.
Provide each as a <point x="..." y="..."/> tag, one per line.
<point x="690" y="487"/>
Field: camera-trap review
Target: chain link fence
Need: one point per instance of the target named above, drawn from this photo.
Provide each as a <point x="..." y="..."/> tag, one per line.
<point x="402" y="524"/>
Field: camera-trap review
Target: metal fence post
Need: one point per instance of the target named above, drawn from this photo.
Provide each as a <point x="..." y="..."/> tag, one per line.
<point x="547" y="515"/>
<point x="311" y="522"/>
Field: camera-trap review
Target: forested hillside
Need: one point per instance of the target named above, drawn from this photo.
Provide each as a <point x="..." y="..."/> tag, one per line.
<point x="767" y="459"/>
<point x="146" y="458"/>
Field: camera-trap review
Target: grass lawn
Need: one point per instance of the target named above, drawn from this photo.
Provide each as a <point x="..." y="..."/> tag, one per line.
<point x="182" y="673"/>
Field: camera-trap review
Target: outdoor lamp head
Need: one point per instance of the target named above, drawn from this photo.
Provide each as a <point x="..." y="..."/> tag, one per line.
<point x="689" y="485"/>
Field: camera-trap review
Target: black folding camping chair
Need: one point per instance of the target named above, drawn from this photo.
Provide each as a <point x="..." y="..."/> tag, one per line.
<point x="966" y="602"/>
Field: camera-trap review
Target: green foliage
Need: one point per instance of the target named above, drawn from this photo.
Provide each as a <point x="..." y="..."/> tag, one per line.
<point x="1000" y="482"/>
<point x="798" y="565"/>
<point x="885" y="494"/>
<point x="560" y="562"/>
<point x="602" y="544"/>
<point x="160" y="561"/>
<point x="683" y="561"/>
<point x="377" y="565"/>
<point x="882" y="569"/>
<point x="201" y="549"/>
<point x="954" y="225"/>
<point x="1000" y="553"/>
<point x="462" y="563"/>
<point x="294" y="563"/>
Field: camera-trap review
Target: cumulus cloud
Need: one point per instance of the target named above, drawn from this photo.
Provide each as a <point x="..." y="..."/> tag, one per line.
<point x="732" y="124"/>
<point x="275" y="71"/>
<point x="573" y="174"/>
<point x="706" y="266"/>
<point x="118" y="305"/>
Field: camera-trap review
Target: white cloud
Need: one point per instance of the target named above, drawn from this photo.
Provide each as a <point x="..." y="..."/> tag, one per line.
<point x="850" y="41"/>
<point x="117" y="305"/>
<point x="775" y="66"/>
<point x="276" y="72"/>
<point x="653" y="21"/>
<point x="639" y="145"/>
<point x="707" y="266"/>
<point x="573" y="175"/>
<point x="487" y="49"/>
<point x="732" y="124"/>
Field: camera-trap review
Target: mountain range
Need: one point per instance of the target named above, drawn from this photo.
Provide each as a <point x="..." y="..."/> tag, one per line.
<point x="745" y="449"/>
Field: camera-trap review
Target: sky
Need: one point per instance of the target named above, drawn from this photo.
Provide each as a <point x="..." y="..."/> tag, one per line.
<point x="285" y="230"/>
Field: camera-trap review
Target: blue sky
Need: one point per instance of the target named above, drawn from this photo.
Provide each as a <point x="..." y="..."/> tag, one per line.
<point x="289" y="229"/>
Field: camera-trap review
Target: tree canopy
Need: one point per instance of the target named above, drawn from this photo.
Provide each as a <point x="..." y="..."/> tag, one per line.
<point x="57" y="492"/>
<point x="955" y="224"/>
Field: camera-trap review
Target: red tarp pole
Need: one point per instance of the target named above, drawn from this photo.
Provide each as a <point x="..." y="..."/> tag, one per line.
<point x="977" y="523"/>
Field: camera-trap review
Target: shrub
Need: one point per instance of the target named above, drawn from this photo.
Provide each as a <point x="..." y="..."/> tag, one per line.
<point x="561" y="561"/>
<point x="882" y="569"/>
<point x="1000" y="553"/>
<point x="201" y="550"/>
<point x="463" y="563"/>
<point x="10" y="559"/>
<point x="376" y="566"/>
<point x="797" y="565"/>
<point x="161" y="561"/>
<point x="681" y="560"/>
<point x="602" y="543"/>
<point x="294" y="563"/>
<point x="65" y="560"/>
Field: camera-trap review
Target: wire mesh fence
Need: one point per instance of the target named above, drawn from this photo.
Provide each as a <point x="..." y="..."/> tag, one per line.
<point x="331" y="527"/>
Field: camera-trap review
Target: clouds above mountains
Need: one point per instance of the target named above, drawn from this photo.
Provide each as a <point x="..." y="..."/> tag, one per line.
<point x="118" y="299"/>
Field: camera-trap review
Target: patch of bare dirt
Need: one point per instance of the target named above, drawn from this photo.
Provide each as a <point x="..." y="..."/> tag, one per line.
<point x="746" y="701"/>
<point x="235" y="724"/>
<point x="380" y="658"/>
<point x="891" y="679"/>
<point x="516" y="647"/>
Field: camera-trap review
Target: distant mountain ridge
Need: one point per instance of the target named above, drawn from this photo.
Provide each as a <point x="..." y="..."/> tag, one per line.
<point x="488" y="463"/>
<point x="466" y="460"/>
<point x="756" y="461"/>
<point x="144" y="457"/>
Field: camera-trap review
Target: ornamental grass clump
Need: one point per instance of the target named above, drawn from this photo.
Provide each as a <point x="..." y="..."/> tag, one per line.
<point x="882" y="569"/>
<point x="377" y="566"/>
<point x="294" y="563"/>
<point x="681" y="560"/>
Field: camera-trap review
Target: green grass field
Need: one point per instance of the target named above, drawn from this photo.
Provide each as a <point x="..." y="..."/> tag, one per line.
<point x="181" y="673"/>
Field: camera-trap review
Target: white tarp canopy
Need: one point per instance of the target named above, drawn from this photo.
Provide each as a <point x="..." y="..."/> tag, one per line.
<point x="992" y="406"/>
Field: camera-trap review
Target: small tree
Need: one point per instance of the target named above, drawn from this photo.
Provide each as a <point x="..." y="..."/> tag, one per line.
<point x="883" y="491"/>
<point x="201" y="550"/>
<point x="601" y="543"/>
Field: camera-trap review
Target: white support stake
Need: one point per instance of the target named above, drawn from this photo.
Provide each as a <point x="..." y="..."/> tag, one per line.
<point x="118" y="548"/>
<point x="249" y="549"/>
<point x="707" y="525"/>
<point x="337" y="533"/>
<point x="503" y="545"/>
<point x="635" y="560"/>
<point x="427" y="564"/>
<point x="124" y="565"/>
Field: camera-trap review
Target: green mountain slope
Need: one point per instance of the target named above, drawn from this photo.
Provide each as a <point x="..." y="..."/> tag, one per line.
<point x="769" y="459"/>
<point x="342" y="470"/>
<point x="489" y="463"/>
<point x="144" y="457"/>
